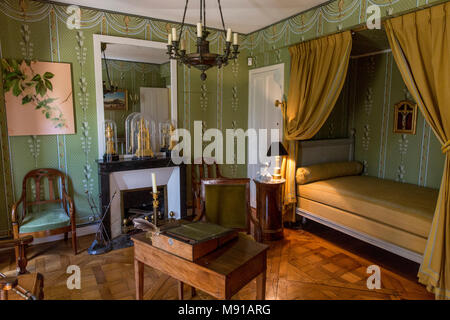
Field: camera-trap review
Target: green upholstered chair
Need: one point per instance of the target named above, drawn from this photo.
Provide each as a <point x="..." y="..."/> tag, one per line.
<point x="226" y="202"/>
<point x="44" y="208"/>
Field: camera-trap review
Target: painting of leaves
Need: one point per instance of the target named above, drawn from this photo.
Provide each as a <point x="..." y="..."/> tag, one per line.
<point x="38" y="97"/>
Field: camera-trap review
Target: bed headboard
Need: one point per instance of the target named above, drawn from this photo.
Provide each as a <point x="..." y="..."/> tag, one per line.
<point x="327" y="150"/>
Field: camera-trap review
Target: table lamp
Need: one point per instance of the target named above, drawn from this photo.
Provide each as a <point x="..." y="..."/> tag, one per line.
<point x="278" y="150"/>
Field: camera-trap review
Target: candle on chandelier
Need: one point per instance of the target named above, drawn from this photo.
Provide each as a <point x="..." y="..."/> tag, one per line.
<point x="235" y="38"/>
<point x="154" y="182"/>
<point x="174" y="34"/>
<point x="199" y="29"/>
<point x="183" y="44"/>
<point x="229" y="35"/>
<point x="169" y="39"/>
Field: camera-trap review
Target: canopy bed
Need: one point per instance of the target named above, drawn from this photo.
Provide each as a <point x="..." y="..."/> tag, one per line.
<point x="420" y="46"/>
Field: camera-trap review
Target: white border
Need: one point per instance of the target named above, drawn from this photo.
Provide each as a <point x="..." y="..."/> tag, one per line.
<point x="98" y="39"/>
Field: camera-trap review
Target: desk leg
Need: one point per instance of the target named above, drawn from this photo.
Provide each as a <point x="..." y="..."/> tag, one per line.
<point x="139" y="278"/>
<point x="261" y="286"/>
<point x="180" y="290"/>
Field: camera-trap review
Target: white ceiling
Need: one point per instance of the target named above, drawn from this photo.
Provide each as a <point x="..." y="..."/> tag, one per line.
<point x="243" y="16"/>
<point x="135" y="53"/>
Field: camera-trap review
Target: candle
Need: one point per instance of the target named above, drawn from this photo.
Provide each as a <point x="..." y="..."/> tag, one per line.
<point x="174" y="34"/>
<point x="154" y="182"/>
<point x="169" y="39"/>
<point x="183" y="44"/>
<point x="235" y="38"/>
<point x="199" y="29"/>
<point x="229" y="35"/>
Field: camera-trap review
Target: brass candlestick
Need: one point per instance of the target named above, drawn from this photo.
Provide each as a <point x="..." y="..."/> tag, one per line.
<point x="155" y="207"/>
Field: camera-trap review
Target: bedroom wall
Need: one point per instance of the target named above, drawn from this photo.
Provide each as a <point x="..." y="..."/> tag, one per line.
<point x="271" y="45"/>
<point x="131" y="76"/>
<point x="376" y="86"/>
<point x="38" y="30"/>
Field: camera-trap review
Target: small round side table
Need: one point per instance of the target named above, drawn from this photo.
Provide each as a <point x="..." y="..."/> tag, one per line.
<point x="269" y="208"/>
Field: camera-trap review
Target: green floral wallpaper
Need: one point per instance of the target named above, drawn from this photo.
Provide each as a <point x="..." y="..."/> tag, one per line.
<point x="37" y="30"/>
<point x="376" y="86"/>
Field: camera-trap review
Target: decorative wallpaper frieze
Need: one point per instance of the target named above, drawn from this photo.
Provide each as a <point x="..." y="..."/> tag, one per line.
<point x="402" y="149"/>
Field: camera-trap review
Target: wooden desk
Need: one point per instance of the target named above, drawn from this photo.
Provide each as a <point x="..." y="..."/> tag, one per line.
<point x="221" y="273"/>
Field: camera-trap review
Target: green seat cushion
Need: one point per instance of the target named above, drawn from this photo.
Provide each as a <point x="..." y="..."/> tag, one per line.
<point x="48" y="219"/>
<point x="226" y="205"/>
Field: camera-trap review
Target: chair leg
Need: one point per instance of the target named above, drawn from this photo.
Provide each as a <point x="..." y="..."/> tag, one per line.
<point x="74" y="239"/>
<point x="21" y="259"/>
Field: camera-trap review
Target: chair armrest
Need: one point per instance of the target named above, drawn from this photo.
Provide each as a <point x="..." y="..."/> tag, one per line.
<point x="14" y="209"/>
<point x="69" y="201"/>
<point x="16" y="242"/>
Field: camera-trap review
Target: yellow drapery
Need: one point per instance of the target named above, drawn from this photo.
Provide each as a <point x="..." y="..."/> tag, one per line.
<point x="420" y="43"/>
<point x="318" y="70"/>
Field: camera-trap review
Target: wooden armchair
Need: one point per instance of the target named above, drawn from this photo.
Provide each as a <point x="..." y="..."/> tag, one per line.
<point x="200" y="169"/>
<point x="28" y="286"/>
<point x="44" y="210"/>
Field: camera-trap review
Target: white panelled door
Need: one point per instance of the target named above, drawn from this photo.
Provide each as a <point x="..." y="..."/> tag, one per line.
<point x="265" y="86"/>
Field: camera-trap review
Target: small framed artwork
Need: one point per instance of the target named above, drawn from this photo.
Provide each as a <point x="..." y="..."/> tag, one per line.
<point x="405" y="117"/>
<point x="117" y="100"/>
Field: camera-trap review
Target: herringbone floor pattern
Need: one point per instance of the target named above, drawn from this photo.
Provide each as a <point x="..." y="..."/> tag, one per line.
<point x="315" y="263"/>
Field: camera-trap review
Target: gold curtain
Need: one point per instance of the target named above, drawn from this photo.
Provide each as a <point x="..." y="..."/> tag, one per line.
<point x="420" y="43"/>
<point x="318" y="70"/>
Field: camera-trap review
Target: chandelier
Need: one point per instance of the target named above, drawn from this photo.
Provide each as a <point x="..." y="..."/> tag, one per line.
<point x="202" y="59"/>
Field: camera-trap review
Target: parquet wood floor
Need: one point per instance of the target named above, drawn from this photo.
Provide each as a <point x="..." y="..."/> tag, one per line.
<point x="314" y="263"/>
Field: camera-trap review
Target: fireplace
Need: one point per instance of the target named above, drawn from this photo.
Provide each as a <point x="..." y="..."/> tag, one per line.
<point x="130" y="181"/>
<point x="138" y="203"/>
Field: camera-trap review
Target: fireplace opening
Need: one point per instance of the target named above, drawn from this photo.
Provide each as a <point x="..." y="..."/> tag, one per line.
<point x="138" y="203"/>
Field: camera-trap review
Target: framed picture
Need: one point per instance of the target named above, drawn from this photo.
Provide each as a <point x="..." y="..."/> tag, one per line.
<point x="405" y="117"/>
<point x="117" y="100"/>
<point x="38" y="97"/>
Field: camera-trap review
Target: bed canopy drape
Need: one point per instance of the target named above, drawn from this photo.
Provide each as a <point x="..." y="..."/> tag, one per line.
<point x="318" y="71"/>
<point x="420" y="43"/>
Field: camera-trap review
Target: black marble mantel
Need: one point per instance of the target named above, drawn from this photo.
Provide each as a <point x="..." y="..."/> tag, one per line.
<point x="105" y="168"/>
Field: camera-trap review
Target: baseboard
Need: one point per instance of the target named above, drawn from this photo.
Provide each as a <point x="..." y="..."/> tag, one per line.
<point x="81" y="231"/>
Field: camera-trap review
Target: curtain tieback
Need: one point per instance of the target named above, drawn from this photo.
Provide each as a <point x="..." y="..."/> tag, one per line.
<point x="446" y="147"/>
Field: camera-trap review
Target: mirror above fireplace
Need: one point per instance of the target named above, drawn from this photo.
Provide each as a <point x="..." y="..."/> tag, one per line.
<point x="133" y="76"/>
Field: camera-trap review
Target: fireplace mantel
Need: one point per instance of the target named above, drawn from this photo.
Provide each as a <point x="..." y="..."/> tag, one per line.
<point x="106" y="168"/>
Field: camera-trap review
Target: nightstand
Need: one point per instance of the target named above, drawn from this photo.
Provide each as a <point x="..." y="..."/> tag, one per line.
<point x="269" y="204"/>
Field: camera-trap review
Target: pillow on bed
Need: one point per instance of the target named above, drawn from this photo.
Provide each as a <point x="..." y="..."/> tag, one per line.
<point x="328" y="170"/>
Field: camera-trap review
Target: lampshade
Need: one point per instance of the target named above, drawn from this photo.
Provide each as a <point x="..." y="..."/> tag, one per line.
<point x="276" y="149"/>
